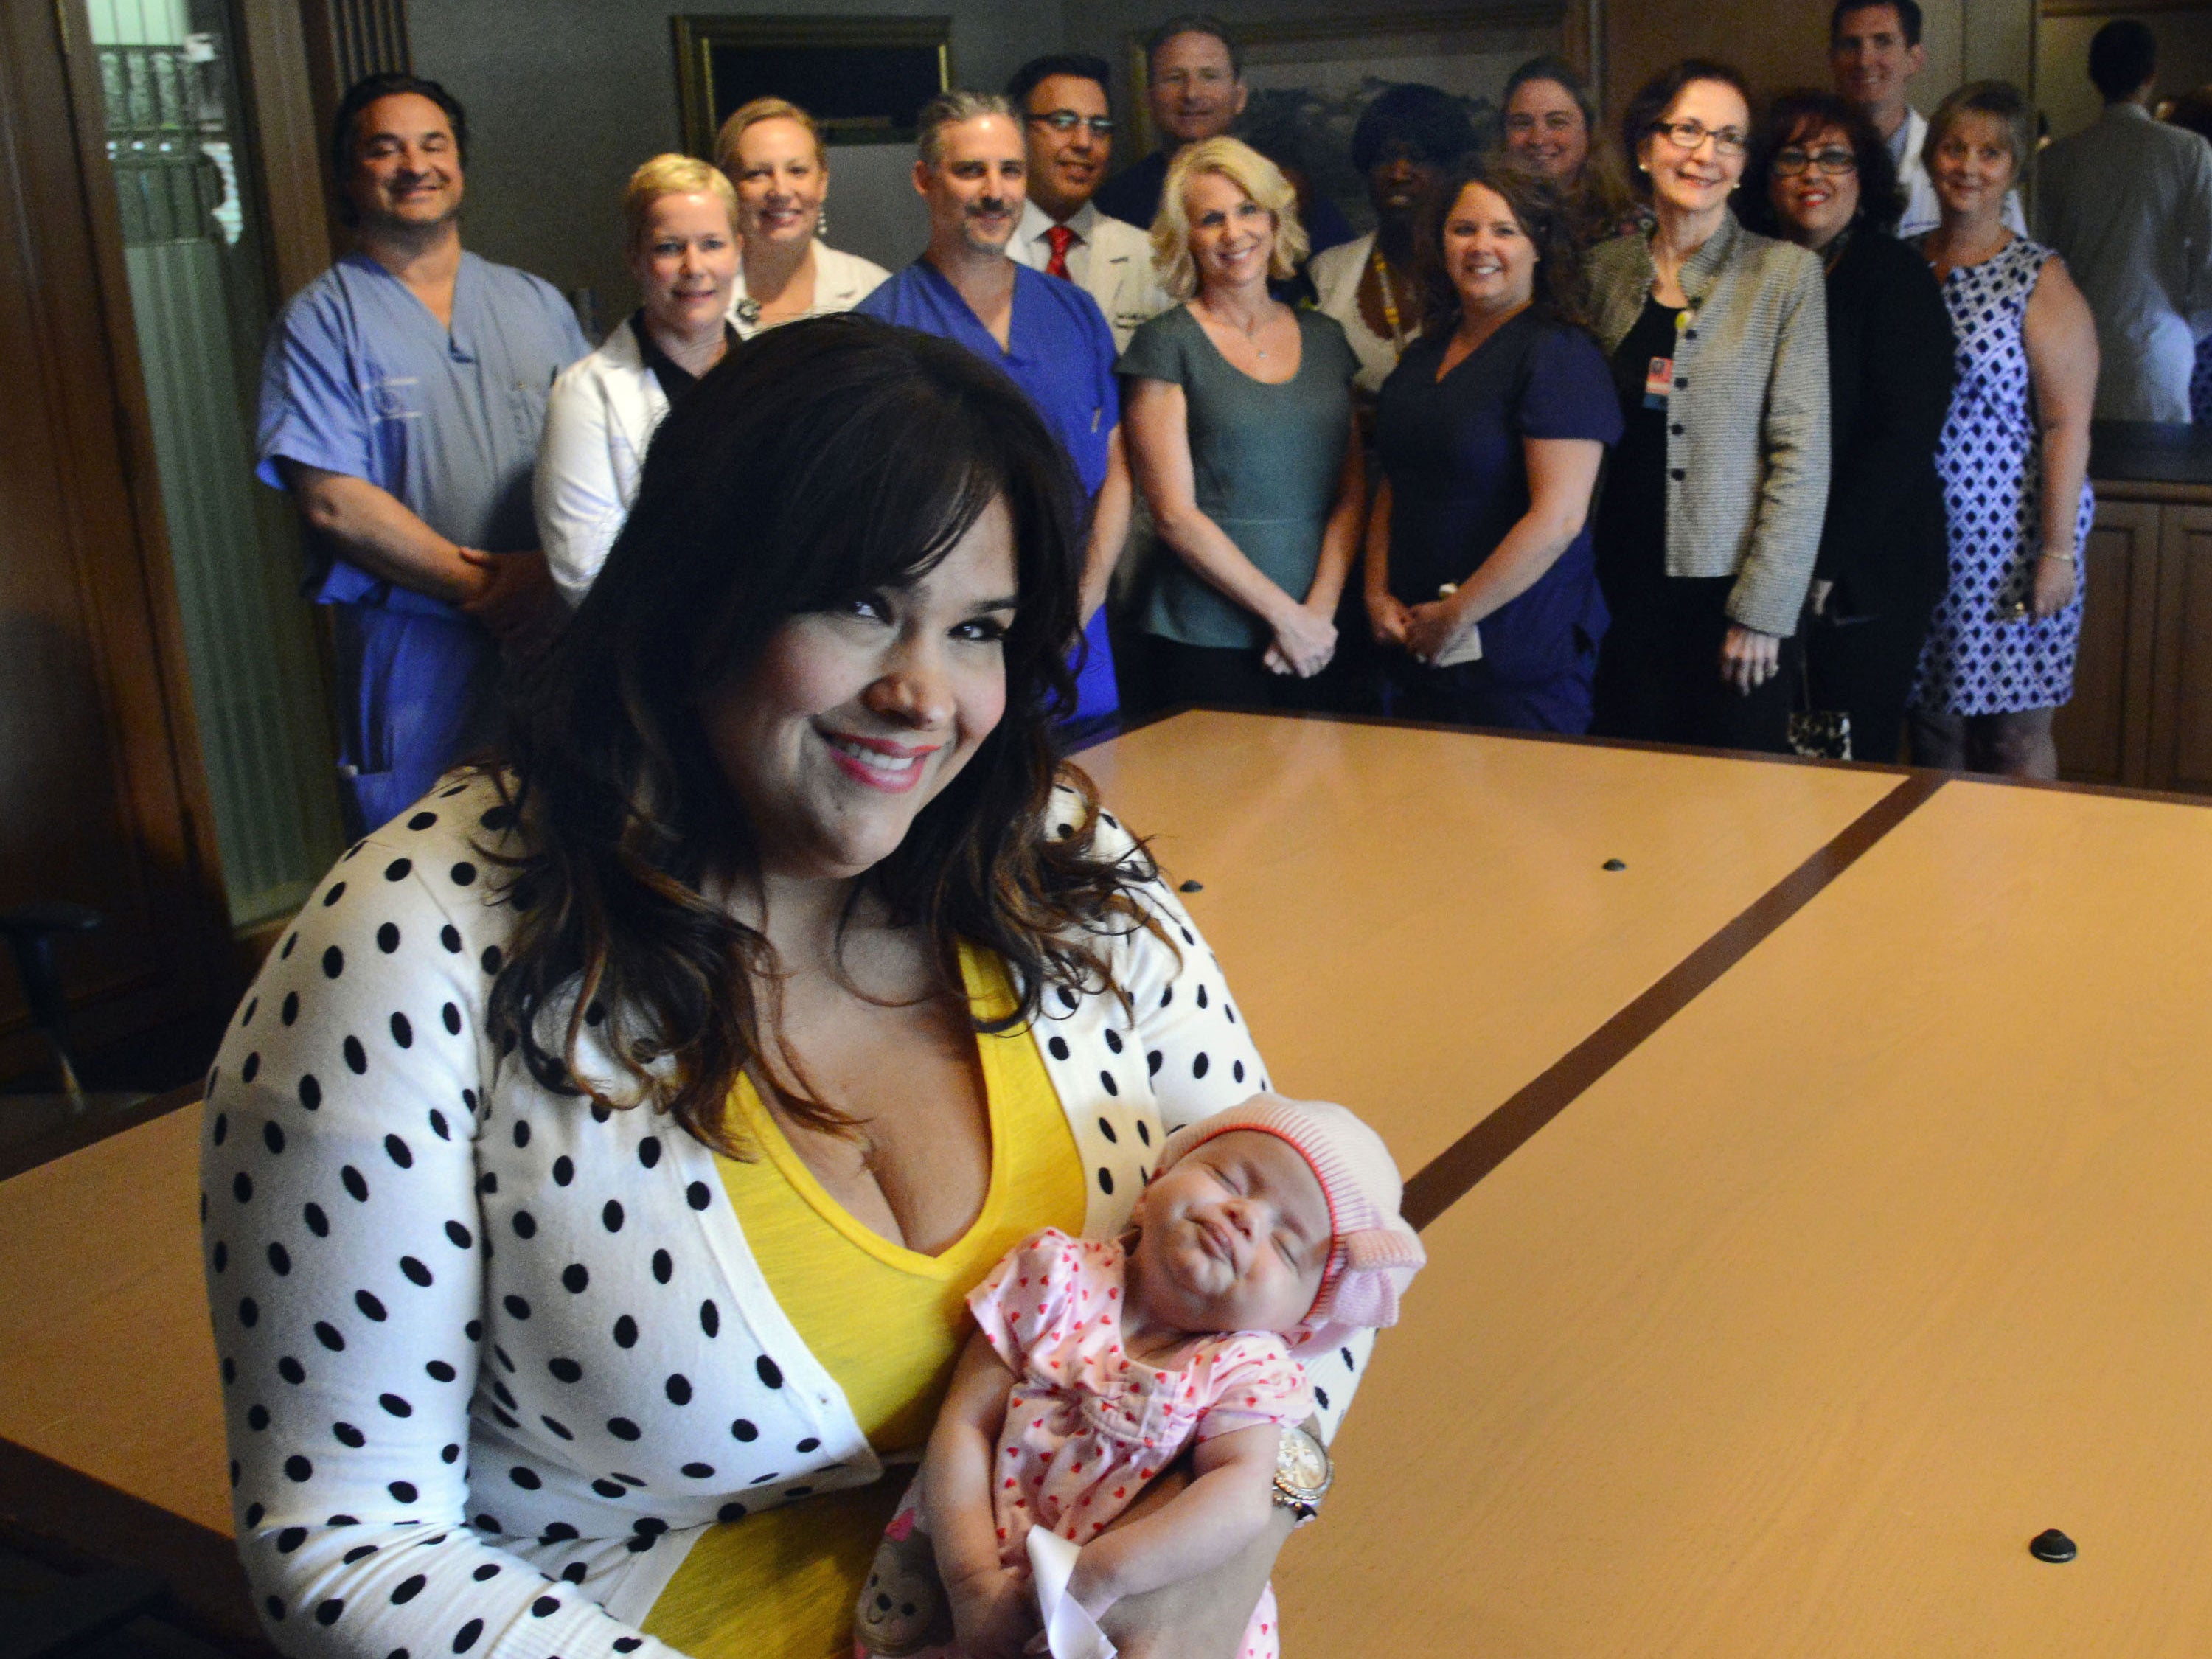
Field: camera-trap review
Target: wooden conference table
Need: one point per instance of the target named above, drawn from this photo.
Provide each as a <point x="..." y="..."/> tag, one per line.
<point x="1812" y="1201"/>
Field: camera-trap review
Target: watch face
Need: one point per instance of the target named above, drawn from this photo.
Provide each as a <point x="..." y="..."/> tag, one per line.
<point x="1301" y="1463"/>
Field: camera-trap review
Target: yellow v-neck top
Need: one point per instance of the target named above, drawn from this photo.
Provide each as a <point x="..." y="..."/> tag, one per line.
<point x="887" y="1323"/>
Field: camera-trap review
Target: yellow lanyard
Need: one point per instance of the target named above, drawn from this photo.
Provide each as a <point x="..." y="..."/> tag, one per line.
<point x="1389" y="297"/>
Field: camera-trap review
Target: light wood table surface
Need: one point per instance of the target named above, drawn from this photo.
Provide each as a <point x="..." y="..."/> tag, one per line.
<point x="107" y="1361"/>
<point x="1417" y="923"/>
<point x="1889" y="1251"/>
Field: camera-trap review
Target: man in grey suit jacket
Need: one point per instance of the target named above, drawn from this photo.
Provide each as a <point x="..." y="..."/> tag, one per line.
<point x="1070" y="136"/>
<point x="2127" y="203"/>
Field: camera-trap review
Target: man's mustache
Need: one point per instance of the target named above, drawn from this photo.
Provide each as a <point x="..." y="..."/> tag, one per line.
<point x="986" y="204"/>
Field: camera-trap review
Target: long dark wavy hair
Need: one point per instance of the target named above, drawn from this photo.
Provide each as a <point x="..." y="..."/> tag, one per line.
<point x="1798" y="117"/>
<point x="1544" y="217"/>
<point x="818" y="464"/>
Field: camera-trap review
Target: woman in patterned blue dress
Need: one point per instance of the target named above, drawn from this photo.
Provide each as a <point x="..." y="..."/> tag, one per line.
<point x="2014" y="457"/>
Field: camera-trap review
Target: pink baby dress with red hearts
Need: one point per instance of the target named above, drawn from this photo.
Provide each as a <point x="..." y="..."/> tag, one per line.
<point x="1086" y="1426"/>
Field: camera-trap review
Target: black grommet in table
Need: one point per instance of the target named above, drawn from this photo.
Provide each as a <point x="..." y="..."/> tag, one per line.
<point x="1192" y="887"/>
<point x="1615" y="864"/>
<point x="2052" y="1546"/>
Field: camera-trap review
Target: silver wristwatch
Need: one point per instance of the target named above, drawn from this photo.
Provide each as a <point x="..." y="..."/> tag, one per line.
<point x="1302" y="1474"/>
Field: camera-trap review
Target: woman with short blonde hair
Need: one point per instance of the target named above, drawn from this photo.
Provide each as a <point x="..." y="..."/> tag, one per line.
<point x="1251" y="172"/>
<point x="1239" y="415"/>
<point x="772" y="152"/>
<point x="669" y="175"/>
<point x="680" y="237"/>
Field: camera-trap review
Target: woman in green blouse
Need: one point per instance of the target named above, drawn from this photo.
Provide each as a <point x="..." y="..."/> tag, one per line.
<point x="1239" y="416"/>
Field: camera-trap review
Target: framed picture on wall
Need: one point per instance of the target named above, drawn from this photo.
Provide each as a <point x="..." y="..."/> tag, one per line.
<point x="1311" y="80"/>
<point x="864" y="79"/>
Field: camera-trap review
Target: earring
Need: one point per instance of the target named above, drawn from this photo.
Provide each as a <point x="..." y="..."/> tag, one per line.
<point x="821" y="220"/>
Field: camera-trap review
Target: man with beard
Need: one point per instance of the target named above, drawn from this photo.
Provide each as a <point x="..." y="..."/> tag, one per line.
<point x="1049" y="336"/>
<point x="1062" y="102"/>
<point x="1405" y="141"/>
<point x="403" y="395"/>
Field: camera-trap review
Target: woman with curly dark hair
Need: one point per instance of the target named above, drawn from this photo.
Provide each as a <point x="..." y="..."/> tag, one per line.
<point x="595" y="1173"/>
<point x="1820" y="176"/>
<point x="1481" y="585"/>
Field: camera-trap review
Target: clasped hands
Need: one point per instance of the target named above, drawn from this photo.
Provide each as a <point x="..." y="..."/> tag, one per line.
<point x="1305" y="639"/>
<point x="514" y="597"/>
<point x="1424" y="632"/>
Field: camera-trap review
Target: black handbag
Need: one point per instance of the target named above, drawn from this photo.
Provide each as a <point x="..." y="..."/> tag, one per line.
<point x="1817" y="733"/>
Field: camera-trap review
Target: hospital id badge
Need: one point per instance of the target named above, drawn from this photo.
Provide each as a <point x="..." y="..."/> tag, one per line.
<point x="1658" y="380"/>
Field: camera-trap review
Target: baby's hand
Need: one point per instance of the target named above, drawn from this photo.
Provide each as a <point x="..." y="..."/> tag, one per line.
<point x="994" y="1611"/>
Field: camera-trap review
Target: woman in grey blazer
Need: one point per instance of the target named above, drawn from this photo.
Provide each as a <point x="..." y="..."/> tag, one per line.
<point x="1711" y="512"/>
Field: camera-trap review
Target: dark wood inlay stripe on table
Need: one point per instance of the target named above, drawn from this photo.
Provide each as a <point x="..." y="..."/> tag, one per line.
<point x="1452" y="1173"/>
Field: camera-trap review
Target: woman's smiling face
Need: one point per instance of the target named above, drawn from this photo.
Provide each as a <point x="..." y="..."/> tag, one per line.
<point x="1812" y="203"/>
<point x="1487" y="254"/>
<point x="781" y="182"/>
<point x="1232" y="237"/>
<point x="1544" y="131"/>
<point x="854" y="718"/>
<point x="1696" y="177"/>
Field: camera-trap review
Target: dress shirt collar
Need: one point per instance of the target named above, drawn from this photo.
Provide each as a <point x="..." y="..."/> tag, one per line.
<point x="1084" y="222"/>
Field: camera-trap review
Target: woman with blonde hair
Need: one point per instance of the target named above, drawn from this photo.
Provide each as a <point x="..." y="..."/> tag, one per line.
<point x="772" y="152"/>
<point x="679" y="218"/>
<point x="1239" y="415"/>
<point x="1999" y="658"/>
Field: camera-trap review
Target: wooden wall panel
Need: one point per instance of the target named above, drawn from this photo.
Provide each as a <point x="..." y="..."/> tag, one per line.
<point x="2180" y="739"/>
<point x="100" y="798"/>
<point x="2094" y="730"/>
<point x="288" y="141"/>
<point x="342" y="41"/>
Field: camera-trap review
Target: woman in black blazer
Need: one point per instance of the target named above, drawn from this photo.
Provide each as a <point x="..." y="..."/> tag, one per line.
<point x="1821" y="177"/>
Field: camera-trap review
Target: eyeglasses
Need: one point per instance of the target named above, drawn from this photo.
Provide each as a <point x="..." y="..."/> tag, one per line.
<point x="1689" y="136"/>
<point x="1788" y="163"/>
<point x="1066" y="120"/>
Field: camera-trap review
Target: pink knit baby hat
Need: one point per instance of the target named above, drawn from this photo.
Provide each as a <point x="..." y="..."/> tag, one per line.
<point x="1376" y="1253"/>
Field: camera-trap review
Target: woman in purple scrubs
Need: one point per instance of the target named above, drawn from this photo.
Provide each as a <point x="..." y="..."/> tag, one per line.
<point x="1490" y="432"/>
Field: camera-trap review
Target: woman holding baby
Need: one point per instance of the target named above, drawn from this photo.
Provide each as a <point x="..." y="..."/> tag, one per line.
<point x="596" y="1178"/>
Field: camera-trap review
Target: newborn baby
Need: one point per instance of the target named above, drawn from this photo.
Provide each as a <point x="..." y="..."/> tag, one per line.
<point x="1267" y="1227"/>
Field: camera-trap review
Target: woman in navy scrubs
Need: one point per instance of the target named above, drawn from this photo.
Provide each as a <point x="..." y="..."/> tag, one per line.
<point x="1490" y="432"/>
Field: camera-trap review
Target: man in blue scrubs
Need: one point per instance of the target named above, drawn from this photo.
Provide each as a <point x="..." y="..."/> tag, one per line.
<point x="402" y="398"/>
<point x="1048" y="335"/>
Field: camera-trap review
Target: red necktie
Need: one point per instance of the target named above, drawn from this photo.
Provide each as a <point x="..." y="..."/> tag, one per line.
<point x="1061" y="239"/>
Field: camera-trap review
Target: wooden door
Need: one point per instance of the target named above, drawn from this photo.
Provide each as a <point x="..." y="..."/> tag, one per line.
<point x="100" y="798"/>
<point x="2104" y="733"/>
<point x="2180" y="747"/>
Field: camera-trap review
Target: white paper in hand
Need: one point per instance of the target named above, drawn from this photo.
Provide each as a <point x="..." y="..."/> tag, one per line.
<point x="1467" y="647"/>
<point x="1070" y="1632"/>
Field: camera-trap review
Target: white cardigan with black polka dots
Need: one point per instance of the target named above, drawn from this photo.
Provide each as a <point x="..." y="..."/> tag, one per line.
<point x="492" y="1359"/>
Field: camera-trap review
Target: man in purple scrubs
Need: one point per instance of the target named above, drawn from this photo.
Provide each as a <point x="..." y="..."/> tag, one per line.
<point x="1048" y="335"/>
<point x="403" y="395"/>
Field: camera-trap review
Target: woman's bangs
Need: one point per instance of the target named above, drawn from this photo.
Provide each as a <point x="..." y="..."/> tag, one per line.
<point x="888" y="523"/>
